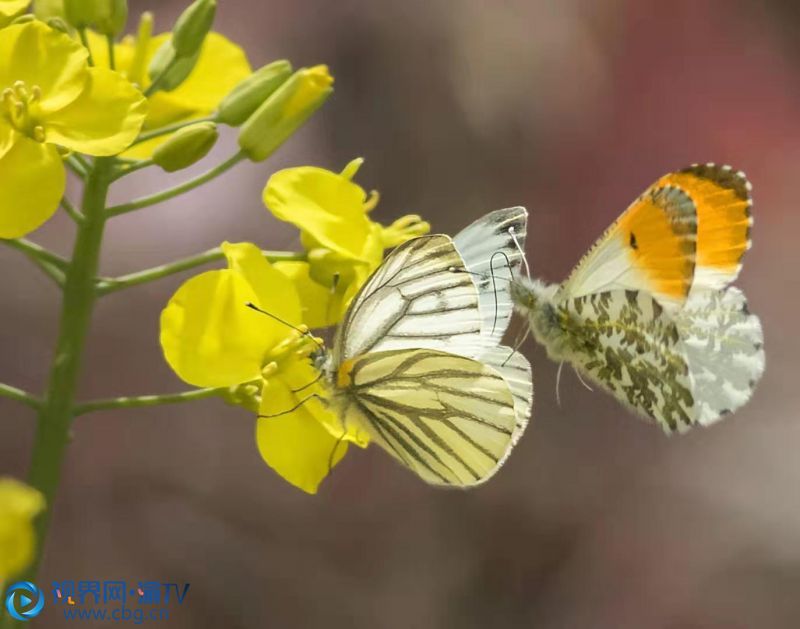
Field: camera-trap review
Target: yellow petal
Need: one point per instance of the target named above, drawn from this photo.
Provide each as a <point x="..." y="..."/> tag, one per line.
<point x="103" y="120"/>
<point x="220" y="67"/>
<point x="123" y="51"/>
<point x="32" y="180"/>
<point x="295" y="445"/>
<point x="326" y="205"/>
<point x="274" y="293"/>
<point x="39" y="55"/>
<point x="322" y="306"/>
<point x="9" y="9"/>
<point x="7" y="137"/>
<point x="19" y="504"/>
<point x="210" y="337"/>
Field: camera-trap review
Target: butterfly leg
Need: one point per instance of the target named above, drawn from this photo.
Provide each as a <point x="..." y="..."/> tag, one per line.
<point x="295" y="407"/>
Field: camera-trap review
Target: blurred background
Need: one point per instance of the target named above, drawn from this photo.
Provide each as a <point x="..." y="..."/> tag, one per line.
<point x="598" y="520"/>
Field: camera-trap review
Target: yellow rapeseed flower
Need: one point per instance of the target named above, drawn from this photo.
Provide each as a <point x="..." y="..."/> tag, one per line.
<point x="344" y="245"/>
<point x="211" y="338"/>
<point x="9" y="9"/>
<point x="19" y="504"/>
<point x="51" y="101"/>
<point x="220" y="67"/>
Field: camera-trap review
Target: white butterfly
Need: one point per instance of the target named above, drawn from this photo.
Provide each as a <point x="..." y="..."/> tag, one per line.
<point x="649" y="315"/>
<point x="417" y="363"/>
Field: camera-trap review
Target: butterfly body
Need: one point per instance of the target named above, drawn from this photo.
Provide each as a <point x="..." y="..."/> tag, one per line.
<point x="648" y="314"/>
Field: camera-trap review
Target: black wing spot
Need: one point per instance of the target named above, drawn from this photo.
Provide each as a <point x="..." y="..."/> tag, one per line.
<point x="633" y="243"/>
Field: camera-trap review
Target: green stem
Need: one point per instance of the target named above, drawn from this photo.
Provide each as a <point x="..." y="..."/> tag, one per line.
<point x="55" y="417"/>
<point x="85" y="42"/>
<point x="132" y="168"/>
<point x="147" y="400"/>
<point x="75" y="165"/>
<point x="157" y="133"/>
<point x="112" y="284"/>
<point x="74" y="213"/>
<point x="53" y="265"/>
<point x="177" y="190"/>
<point x="6" y="390"/>
<point x="112" y="61"/>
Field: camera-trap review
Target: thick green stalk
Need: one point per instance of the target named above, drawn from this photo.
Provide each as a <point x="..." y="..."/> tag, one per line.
<point x="55" y="417"/>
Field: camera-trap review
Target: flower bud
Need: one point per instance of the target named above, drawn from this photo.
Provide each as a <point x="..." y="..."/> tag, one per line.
<point x="44" y="9"/>
<point x="192" y="26"/>
<point x="285" y="111"/>
<point x="23" y="19"/>
<point x="113" y="21"/>
<point x="107" y="16"/>
<point x="186" y="146"/>
<point x="83" y="13"/>
<point x="169" y="69"/>
<point x="58" y="24"/>
<point x="248" y="95"/>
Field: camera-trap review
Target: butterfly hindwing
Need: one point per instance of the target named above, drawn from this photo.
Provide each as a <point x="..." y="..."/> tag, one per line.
<point x="724" y="347"/>
<point x="492" y="257"/>
<point x="448" y="418"/>
<point x="650" y="248"/>
<point x="628" y="343"/>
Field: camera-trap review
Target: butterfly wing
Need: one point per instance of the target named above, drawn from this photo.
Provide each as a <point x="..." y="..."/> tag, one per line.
<point x="723" y="200"/>
<point x="516" y="371"/>
<point x="650" y="248"/>
<point x="629" y="345"/>
<point x="420" y="297"/>
<point x="724" y="347"/>
<point x="492" y="257"/>
<point x="448" y="418"/>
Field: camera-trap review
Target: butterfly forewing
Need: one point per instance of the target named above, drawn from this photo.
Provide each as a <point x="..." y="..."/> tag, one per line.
<point x="723" y="201"/>
<point x="449" y="418"/>
<point x="419" y="297"/>
<point x="650" y="248"/>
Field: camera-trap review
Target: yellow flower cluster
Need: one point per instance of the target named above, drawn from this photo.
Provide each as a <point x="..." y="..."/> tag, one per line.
<point x="212" y="339"/>
<point x="75" y="97"/>
<point x="53" y="102"/>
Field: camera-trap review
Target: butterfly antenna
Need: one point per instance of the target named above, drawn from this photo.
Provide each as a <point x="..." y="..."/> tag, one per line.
<point x="494" y="282"/>
<point x="305" y="332"/>
<point x="583" y="382"/>
<point x="558" y="383"/>
<point x="513" y="235"/>
<point x="312" y="383"/>
<point x="295" y="407"/>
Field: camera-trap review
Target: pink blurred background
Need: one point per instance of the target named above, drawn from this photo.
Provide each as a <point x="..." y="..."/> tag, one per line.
<point x="598" y="520"/>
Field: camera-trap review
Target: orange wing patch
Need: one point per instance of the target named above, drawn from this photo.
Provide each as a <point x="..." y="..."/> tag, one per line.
<point x="722" y="198"/>
<point x="650" y="248"/>
<point x="660" y="230"/>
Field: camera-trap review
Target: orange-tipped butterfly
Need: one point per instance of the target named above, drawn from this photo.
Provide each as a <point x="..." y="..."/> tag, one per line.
<point x="648" y="313"/>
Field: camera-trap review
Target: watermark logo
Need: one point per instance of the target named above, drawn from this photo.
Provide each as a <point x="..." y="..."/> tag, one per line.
<point x="24" y="600"/>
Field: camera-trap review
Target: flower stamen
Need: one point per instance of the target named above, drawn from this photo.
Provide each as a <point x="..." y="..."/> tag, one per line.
<point x="18" y="108"/>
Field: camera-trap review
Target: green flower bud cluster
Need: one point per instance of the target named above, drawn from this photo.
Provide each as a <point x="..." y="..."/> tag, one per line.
<point x="177" y="57"/>
<point x="286" y="107"/>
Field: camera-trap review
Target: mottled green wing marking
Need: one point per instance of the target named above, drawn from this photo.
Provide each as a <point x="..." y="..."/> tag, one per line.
<point x="628" y="344"/>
